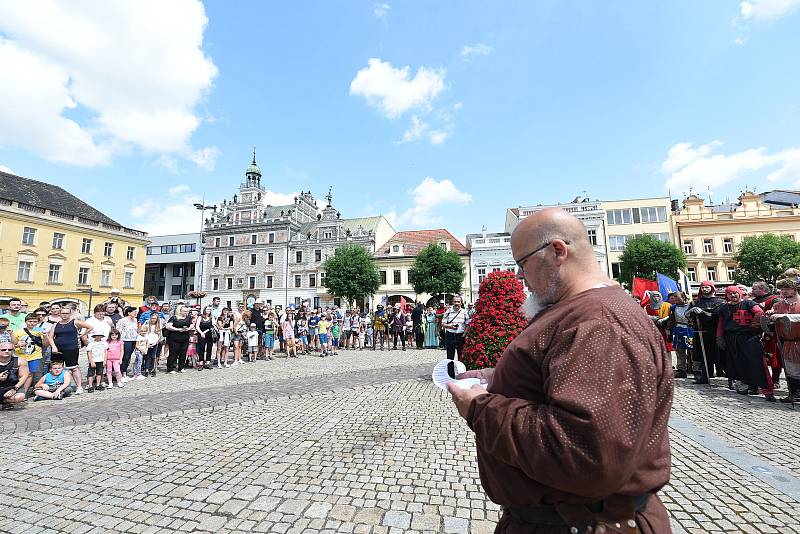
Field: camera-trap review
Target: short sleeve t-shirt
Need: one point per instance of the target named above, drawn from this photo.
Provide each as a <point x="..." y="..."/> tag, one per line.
<point x="33" y="344"/>
<point x="313" y="321"/>
<point x="98" y="350"/>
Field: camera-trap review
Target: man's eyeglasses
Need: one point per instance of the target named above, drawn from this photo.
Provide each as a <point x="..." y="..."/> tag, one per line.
<point x="521" y="262"/>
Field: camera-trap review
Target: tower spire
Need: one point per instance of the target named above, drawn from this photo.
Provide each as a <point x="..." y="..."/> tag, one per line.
<point x="254" y="155"/>
<point x="329" y="196"/>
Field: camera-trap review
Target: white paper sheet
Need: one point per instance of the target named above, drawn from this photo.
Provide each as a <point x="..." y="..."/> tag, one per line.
<point x="445" y="372"/>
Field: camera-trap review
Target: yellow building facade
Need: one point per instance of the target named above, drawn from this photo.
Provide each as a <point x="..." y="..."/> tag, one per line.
<point x="625" y="219"/>
<point x="396" y="257"/>
<point x="54" y="247"/>
<point x="710" y="235"/>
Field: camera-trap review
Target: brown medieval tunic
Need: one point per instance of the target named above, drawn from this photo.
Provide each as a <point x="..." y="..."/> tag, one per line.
<point x="578" y="411"/>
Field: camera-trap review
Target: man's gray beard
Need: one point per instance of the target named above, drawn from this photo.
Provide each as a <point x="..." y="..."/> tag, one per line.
<point x="532" y="306"/>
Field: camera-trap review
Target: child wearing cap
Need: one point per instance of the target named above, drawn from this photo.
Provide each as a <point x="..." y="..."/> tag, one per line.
<point x="252" y="342"/>
<point x="96" y="354"/>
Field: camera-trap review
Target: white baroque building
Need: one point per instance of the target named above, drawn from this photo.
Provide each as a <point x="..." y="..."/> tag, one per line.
<point x="254" y="250"/>
<point x="489" y="252"/>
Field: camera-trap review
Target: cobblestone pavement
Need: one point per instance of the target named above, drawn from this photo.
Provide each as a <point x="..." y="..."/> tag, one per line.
<point x="361" y="442"/>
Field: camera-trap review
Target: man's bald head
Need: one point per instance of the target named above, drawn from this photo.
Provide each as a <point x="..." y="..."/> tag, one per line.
<point x="549" y="224"/>
<point x="554" y="256"/>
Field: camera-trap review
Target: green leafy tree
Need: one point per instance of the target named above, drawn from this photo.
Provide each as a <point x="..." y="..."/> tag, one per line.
<point x="437" y="271"/>
<point x="644" y="256"/>
<point x="351" y="273"/>
<point x="765" y="257"/>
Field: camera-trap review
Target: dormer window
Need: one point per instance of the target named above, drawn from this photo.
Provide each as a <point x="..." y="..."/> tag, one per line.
<point x="395" y="248"/>
<point x="445" y="245"/>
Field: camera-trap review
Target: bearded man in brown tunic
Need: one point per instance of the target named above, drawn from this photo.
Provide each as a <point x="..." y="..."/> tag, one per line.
<point x="571" y="431"/>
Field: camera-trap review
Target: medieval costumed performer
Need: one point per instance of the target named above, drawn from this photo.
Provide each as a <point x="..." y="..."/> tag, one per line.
<point x="765" y="298"/>
<point x="657" y="309"/>
<point x="785" y="313"/>
<point x="682" y="333"/>
<point x="704" y="314"/>
<point x="742" y="343"/>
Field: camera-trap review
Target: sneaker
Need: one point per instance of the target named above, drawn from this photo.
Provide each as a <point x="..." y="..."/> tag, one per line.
<point x="173" y="372"/>
<point x="78" y="391"/>
<point x="153" y="373"/>
<point x="90" y="389"/>
<point x="770" y="398"/>
<point x="182" y="371"/>
<point x="139" y="377"/>
<point x="219" y="365"/>
<point x="120" y="386"/>
<point x="126" y="378"/>
<point x="226" y="364"/>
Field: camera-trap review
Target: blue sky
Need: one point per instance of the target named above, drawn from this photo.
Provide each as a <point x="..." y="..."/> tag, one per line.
<point x="436" y="114"/>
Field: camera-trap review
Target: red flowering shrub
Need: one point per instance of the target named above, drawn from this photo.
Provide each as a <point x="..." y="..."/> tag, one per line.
<point x="497" y="320"/>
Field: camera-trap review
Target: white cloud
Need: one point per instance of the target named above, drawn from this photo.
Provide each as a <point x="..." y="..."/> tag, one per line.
<point x="205" y="158"/>
<point x="128" y="74"/>
<point x="381" y="10"/>
<point x="687" y="167"/>
<point x="392" y="91"/>
<point x="419" y="129"/>
<point x="271" y="198"/>
<point x="178" y="189"/>
<point x="3" y="168"/>
<point x="430" y="197"/>
<point x="767" y="10"/>
<point x="478" y="49"/>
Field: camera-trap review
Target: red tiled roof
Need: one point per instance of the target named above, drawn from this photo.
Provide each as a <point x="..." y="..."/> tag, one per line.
<point x="416" y="240"/>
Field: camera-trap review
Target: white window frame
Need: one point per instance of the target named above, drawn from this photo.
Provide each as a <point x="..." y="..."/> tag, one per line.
<point x="711" y="274"/>
<point x="58" y="242"/>
<point x="251" y="282"/>
<point x="312" y="279"/>
<point x="229" y="283"/>
<point x="253" y="258"/>
<point x="108" y="249"/>
<point x="708" y="243"/>
<point x="88" y="278"/>
<point x="130" y="253"/>
<point x="727" y="245"/>
<point x="731" y="272"/>
<point x="105" y="277"/>
<point x="231" y="240"/>
<point x="215" y="284"/>
<point x="688" y="246"/>
<point x="298" y="280"/>
<point x="691" y="273"/>
<point x="217" y="242"/>
<point x="253" y="239"/>
<point x="591" y="233"/>
<point x="619" y="216"/>
<point x="230" y="260"/>
<point x="29" y="235"/>
<point x="86" y="245"/>
<point x="58" y="272"/>
<point x="29" y="262"/>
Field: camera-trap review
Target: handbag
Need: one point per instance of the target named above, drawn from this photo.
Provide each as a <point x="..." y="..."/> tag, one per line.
<point x="214" y="334"/>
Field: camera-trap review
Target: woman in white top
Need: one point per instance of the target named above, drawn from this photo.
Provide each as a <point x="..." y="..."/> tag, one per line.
<point x="128" y="328"/>
<point x="225" y="327"/>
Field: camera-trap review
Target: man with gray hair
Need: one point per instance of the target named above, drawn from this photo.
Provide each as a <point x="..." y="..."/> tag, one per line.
<point x="571" y="428"/>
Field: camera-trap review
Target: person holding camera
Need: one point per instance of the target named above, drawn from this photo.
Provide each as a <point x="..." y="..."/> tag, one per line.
<point x="453" y="323"/>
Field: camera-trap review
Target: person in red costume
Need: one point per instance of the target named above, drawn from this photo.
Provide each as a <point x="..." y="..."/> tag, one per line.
<point x="742" y="343"/>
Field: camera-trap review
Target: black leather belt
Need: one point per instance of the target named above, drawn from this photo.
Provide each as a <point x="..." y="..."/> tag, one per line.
<point x="547" y="515"/>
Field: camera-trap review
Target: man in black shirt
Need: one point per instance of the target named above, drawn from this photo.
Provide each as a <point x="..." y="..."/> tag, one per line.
<point x="416" y="323"/>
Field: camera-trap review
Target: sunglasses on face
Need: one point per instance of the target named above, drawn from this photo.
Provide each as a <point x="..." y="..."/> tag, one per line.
<point x="6" y="350"/>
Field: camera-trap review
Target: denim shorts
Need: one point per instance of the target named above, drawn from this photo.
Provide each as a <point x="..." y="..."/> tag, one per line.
<point x="323" y="338"/>
<point x="304" y="340"/>
<point x="269" y="340"/>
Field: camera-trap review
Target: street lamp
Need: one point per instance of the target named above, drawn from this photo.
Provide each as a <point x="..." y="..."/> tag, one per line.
<point x="202" y="208"/>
